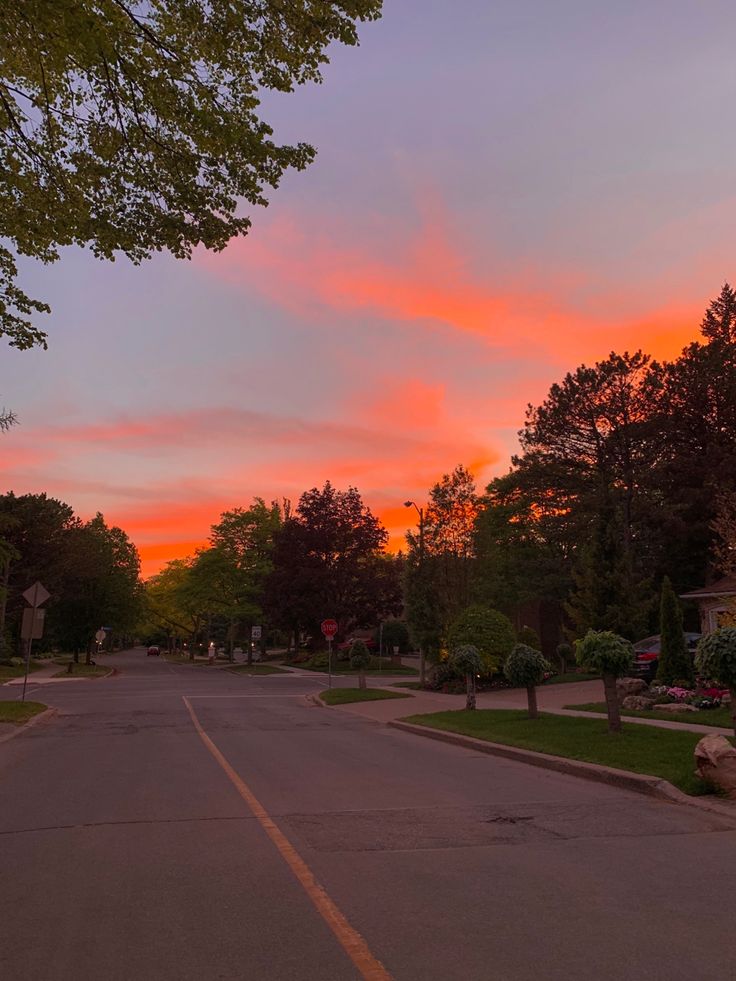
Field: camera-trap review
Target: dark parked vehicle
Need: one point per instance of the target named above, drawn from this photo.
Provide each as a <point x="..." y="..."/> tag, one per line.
<point x="347" y="644"/>
<point x="153" y="650"/>
<point x="646" y="655"/>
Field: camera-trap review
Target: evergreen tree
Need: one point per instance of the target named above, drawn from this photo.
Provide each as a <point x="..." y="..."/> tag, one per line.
<point x="719" y="322"/>
<point x="674" y="661"/>
<point x="608" y="594"/>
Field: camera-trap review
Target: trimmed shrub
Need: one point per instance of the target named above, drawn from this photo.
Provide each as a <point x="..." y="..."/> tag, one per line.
<point x="488" y="631"/>
<point x="716" y="660"/>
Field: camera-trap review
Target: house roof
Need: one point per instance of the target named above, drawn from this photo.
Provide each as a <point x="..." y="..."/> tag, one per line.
<point x="723" y="587"/>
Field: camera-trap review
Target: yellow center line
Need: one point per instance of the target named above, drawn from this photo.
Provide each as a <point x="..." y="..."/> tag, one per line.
<point x="352" y="942"/>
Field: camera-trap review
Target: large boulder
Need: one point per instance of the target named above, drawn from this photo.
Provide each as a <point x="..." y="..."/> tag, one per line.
<point x="715" y="761"/>
<point x="639" y="703"/>
<point x="630" y="686"/>
<point x="675" y="707"/>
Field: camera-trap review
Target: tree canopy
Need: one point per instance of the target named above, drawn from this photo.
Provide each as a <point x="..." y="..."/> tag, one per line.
<point x="329" y="560"/>
<point x="91" y="570"/>
<point x="133" y="126"/>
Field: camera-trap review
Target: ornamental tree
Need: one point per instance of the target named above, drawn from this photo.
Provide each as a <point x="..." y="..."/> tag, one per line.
<point x="525" y="668"/>
<point x="466" y="660"/>
<point x="716" y="659"/>
<point x="610" y="656"/>
<point x="360" y="659"/>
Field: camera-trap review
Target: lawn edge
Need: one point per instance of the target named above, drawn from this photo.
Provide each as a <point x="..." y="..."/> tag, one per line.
<point x="59" y="676"/>
<point x="47" y="714"/>
<point x="316" y="699"/>
<point x="640" y="783"/>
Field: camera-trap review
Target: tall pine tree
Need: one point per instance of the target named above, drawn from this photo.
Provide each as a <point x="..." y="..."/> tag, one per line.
<point x="608" y="594"/>
<point x="719" y="322"/>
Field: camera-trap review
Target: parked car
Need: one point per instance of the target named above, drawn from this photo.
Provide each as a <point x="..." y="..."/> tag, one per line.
<point x="646" y="655"/>
<point x="153" y="649"/>
<point x="347" y="644"/>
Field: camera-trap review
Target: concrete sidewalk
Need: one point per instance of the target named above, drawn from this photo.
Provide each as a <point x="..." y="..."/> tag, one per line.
<point x="42" y="674"/>
<point x="551" y="699"/>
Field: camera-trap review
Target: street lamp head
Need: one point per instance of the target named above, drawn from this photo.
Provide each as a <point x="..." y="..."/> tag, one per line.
<point x="409" y="504"/>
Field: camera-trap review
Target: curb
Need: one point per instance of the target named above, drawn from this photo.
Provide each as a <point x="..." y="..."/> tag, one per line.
<point x="314" y="699"/>
<point x="46" y="715"/>
<point x="639" y="783"/>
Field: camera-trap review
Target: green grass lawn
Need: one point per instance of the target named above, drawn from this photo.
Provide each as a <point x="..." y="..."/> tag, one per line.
<point x="17" y="671"/>
<point x="17" y="713"/>
<point x="343" y="667"/>
<point x="341" y="696"/>
<point x="720" y="717"/>
<point x="559" y="679"/>
<point x="256" y="669"/>
<point x="666" y="753"/>
<point x="81" y="670"/>
<point x="570" y="678"/>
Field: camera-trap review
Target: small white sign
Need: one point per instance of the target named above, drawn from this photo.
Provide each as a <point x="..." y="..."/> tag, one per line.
<point x="255" y="633"/>
<point x="31" y="627"/>
<point x="100" y="636"/>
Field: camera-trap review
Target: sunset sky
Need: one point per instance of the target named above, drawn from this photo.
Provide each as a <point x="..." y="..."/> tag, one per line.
<point x="503" y="190"/>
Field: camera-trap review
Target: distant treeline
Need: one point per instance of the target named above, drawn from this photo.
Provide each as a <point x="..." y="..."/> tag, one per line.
<point x="92" y="572"/>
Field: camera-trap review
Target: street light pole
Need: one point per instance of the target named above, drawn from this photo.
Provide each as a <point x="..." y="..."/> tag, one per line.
<point x="420" y="512"/>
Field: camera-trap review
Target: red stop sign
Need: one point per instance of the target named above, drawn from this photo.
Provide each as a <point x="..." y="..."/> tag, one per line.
<point x="329" y="628"/>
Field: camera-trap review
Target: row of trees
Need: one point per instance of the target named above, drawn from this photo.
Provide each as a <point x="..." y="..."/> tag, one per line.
<point x="92" y="571"/>
<point x="626" y="476"/>
<point x="280" y="567"/>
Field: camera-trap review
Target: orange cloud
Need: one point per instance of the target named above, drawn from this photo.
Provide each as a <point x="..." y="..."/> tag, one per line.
<point x="426" y="280"/>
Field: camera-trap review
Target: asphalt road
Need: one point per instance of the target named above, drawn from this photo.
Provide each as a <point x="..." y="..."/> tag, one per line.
<point x="283" y="841"/>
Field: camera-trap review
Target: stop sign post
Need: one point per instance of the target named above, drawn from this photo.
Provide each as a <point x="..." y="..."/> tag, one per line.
<point x="329" y="629"/>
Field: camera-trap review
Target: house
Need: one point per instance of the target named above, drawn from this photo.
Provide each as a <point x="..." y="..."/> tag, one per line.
<point x="713" y="602"/>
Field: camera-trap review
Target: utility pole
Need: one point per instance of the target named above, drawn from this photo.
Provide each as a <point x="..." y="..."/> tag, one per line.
<point x="422" y="658"/>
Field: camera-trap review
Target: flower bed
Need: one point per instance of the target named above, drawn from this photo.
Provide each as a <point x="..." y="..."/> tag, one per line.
<point x="704" y="696"/>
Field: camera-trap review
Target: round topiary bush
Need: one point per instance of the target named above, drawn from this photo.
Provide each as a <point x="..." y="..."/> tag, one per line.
<point x="360" y="659"/>
<point x="610" y="656"/>
<point x="716" y="660"/>
<point x="466" y="660"/>
<point x="526" y="667"/>
<point x="490" y="632"/>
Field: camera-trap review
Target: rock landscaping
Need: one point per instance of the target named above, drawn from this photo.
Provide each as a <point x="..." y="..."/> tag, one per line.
<point x="715" y="763"/>
<point x="636" y="695"/>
